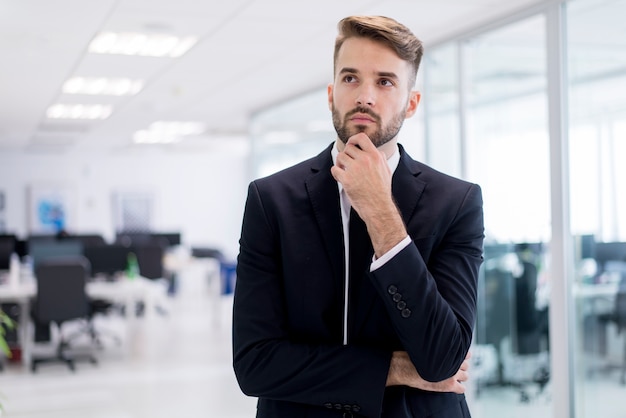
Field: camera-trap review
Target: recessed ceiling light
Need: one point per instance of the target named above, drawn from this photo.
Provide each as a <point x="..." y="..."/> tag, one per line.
<point x="102" y="86"/>
<point x="129" y="43"/>
<point x="167" y="132"/>
<point x="79" y="111"/>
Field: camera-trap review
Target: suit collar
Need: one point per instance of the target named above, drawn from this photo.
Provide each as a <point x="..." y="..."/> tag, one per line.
<point x="324" y="197"/>
<point x="406" y="186"/>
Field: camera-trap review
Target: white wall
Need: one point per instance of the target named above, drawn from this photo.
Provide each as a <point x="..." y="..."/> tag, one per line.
<point x="201" y="194"/>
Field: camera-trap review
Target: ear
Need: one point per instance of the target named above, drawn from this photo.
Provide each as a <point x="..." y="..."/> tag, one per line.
<point x="414" y="100"/>
<point x="329" y="90"/>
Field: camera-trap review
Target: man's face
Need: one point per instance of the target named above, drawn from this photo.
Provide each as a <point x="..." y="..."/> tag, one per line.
<point x="370" y="93"/>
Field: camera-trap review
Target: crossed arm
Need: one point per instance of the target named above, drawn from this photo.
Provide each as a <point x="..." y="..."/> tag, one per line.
<point x="403" y="372"/>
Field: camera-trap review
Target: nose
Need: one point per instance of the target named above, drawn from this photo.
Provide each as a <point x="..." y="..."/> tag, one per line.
<point x="366" y="96"/>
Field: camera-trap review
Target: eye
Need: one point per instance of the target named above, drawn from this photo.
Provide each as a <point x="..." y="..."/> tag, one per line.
<point x="385" y="82"/>
<point x="350" y="79"/>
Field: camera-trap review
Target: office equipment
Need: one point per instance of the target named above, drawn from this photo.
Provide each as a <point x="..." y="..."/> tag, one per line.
<point x="617" y="316"/>
<point x="108" y="259"/>
<point x="21" y="248"/>
<point x="172" y="238"/>
<point x="88" y="240"/>
<point x="130" y="238"/>
<point x="585" y="247"/>
<point x="7" y="248"/>
<point x="42" y="250"/>
<point x="609" y="251"/>
<point x="61" y="297"/>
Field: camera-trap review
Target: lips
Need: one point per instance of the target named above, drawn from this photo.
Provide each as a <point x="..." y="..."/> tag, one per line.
<point x="360" y="118"/>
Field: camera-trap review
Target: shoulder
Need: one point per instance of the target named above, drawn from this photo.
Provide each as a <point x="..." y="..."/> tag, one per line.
<point x="434" y="178"/>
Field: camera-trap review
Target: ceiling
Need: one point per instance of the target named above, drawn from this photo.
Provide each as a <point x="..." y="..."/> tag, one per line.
<point x="251" y="54"/>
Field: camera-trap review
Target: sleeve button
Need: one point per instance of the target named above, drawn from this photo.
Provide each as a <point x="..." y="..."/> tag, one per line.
<point x="392" y="290"/>
<point x="328" y="405"/>
<point x="356" y="408"/>
<point x="406" y="313"/>
<point x="397" y="297"/>
<point x="401" y="305"/>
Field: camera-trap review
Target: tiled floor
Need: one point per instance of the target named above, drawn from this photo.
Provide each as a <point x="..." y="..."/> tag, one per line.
<point x="179" y="365"/>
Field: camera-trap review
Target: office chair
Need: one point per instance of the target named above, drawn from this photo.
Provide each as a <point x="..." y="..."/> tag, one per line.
<point x="96" y="335"/>
<point x="150" y="257"/>
<point x="618" y="317"/>
<point x="529" y="362"/>
<point x="61" y="297"/>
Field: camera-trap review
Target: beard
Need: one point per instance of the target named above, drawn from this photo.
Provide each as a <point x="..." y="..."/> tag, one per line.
<point x="380" y="136"/>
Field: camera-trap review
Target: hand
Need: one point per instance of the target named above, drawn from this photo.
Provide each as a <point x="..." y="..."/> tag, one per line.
<point x="403" y="372"/>
<point x="366" y="178"/>
<point x="363" y="171"/>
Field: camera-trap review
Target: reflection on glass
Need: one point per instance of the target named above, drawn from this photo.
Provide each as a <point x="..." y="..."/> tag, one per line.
<point x="508" y="155"/>
<point x="293" y="131"/>
<point x="597" y="131"/>
<point x="442" y="104"/>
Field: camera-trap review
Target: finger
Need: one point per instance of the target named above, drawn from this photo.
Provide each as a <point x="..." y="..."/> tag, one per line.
<point x="461" y="376"/>
<point x="465" y="365"/>
<point x="361" y="141"/>
<point x="459" y="388"/>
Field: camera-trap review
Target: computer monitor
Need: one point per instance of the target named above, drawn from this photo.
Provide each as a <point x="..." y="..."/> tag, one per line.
<point x="7" y="248"/>
<point x="585" y="246"/>
<point x="43" y="250"/>
<point x="172" y="238"/>
<point x="609" y="252"/>
<point x="107" y="259"/>
<point x="88" y="240"/>
<point x="129" y="238"/>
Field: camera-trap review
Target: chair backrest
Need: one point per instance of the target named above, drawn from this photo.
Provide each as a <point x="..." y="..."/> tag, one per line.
<point x="150" y="259"/>
<point x="61" y="294"/>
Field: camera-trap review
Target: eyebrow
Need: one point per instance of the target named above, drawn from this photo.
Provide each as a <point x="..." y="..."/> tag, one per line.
<point x="348" y="70"/>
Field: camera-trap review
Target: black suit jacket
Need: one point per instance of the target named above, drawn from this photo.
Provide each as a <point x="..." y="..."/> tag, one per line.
<point x="288" y="306"/>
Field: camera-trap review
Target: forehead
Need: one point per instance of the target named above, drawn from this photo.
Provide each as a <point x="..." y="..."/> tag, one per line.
<point x="366" y="55"/>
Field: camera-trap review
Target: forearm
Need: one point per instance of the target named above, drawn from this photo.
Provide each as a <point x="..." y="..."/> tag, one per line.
<point x="403" y="372"/>
<point x="385" y="227"/>
<point x="433" y="320"/>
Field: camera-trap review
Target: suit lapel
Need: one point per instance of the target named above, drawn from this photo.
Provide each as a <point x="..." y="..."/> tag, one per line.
<point x="324" y="197"/>
<point x="407" y="189"/>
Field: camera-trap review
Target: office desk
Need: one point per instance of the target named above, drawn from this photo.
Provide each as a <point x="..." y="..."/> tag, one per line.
<point x="125" y="292"/>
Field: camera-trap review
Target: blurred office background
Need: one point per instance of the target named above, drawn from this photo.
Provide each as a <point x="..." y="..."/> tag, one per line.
<point x="525" y="98"/>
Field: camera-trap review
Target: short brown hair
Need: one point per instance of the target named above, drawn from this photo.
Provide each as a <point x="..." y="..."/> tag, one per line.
<point x="386" y="30"/>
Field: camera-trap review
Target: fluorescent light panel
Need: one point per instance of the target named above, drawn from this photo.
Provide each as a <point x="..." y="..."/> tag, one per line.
<point x="79" y="111"/>
<point x="102" y="86"/>
<point x="167" y="132"/>
<point x="130" y="43"/>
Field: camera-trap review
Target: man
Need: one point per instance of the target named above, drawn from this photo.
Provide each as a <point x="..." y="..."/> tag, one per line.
<point x="330" y="323"/>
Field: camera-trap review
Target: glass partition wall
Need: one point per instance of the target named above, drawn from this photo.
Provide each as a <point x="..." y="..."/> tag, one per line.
<point x="500" y="79"/>
<point x="597" y="130"/>
<point x="489" y="116"/>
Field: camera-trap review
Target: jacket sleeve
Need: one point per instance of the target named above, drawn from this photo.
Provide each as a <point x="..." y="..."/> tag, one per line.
<point x="268" y="361"/>
<point x="432" y="304"/>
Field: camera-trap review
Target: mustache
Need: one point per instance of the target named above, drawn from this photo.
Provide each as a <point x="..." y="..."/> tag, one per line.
<point x="364" y="111"/>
